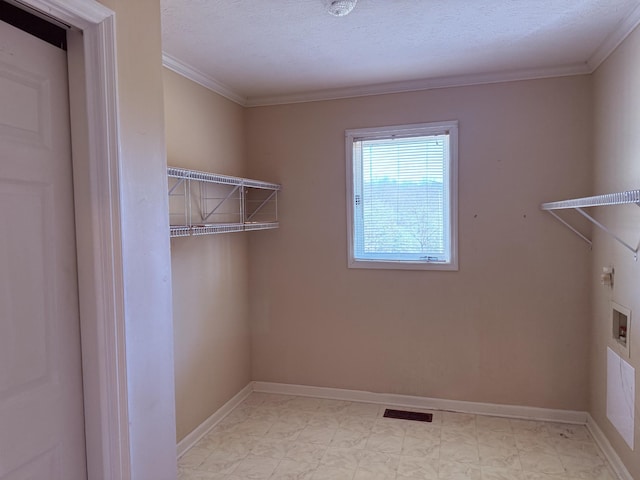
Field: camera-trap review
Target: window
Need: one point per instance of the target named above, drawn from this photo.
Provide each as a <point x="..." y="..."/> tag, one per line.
<point x="401" y="189"/>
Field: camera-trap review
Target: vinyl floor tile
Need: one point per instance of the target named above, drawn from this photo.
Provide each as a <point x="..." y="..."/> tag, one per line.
<point x="280" y="437"/>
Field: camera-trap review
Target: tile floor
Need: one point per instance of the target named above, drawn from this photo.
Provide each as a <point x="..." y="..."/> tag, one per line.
<point x="279" y="437"/>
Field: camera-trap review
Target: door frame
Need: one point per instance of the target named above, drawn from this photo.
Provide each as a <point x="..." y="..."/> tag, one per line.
<point x="96" y="166"/>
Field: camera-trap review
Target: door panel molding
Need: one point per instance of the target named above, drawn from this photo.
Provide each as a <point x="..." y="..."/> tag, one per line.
<point x="96" y="165"/>
<point x="31" y="129"/>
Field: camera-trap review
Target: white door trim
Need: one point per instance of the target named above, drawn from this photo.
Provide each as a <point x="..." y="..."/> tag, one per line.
<point x="99" y="238"/>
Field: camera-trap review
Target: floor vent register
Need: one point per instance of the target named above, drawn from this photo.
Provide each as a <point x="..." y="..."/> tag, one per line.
<point x="405" y="415"/>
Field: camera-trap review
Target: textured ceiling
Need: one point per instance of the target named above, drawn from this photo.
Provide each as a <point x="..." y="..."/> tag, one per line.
<point x="270" y="49"/>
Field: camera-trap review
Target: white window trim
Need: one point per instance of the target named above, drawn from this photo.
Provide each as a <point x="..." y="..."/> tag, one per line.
<point x="418" y="128"/>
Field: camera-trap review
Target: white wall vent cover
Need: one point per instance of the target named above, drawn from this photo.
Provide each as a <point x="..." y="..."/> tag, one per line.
<point x="621" y="394"/>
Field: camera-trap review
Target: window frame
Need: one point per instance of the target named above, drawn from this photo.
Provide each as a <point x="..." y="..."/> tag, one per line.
<point x="417" y="129"/>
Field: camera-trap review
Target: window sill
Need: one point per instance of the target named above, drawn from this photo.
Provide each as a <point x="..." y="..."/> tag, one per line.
<point x="398" y="265"/>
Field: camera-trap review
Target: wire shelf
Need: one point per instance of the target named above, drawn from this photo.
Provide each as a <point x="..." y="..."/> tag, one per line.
<point x="178" y="172"/>
<point x="608" y="199"/>
<point x="215" y="178"/>
<point x="260" y="226"/>
<point x="621" y="198"/>
<point x="203" y="203"/>
<point x="180" y="231"/>
<point x="216" y="228"/>
<point x="259" y="184"/>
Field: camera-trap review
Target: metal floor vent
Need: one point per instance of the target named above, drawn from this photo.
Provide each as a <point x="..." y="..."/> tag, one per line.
<point x="405" y="415"/>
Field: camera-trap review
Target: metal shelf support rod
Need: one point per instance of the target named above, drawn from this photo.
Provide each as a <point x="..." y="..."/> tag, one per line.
<point x="204" y="219"/>
<point x="571" y="227"/>
<point x="243" y="203"/>
<point x="609" y="232"/>
<point x="262" y="205"/>
<point x="177" y="184"/>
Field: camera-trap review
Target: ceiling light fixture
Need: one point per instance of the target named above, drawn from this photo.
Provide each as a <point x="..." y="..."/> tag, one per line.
<point x="340" y="8"/>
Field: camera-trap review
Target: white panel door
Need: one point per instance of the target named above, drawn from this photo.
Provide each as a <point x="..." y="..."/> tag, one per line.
<point x="41" y="405"/>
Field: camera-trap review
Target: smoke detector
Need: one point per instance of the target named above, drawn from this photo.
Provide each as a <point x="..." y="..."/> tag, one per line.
<point x="340" y="8"/>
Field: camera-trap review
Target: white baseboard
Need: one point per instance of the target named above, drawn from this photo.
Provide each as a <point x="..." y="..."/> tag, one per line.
<point x="191" y="439"/>
<point x="408" y="401"/>
<point x="611" y="455"/>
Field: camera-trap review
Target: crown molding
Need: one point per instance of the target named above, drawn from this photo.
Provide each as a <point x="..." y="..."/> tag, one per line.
<point x="424" y="84"/>
<point x="187" y="71"/>
<point x="614" y="39"/>
<point x="599" y="56"/>
<point x="212" y="84"/>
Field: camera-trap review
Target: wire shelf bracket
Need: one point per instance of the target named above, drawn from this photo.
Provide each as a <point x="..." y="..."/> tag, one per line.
<point x="579" y="204"/>
<point x="229" y="195"/>
<point x="180" y="189"/>
<point x="266" y="201"/>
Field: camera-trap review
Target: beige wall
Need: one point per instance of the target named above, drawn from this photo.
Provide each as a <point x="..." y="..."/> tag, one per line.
<point x="510" y="327"/>
<point x="617" y="168"/>
<point x="209" y="273"/>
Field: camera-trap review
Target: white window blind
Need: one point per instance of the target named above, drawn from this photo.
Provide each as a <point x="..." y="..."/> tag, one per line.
<point x="402" y="198"/>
